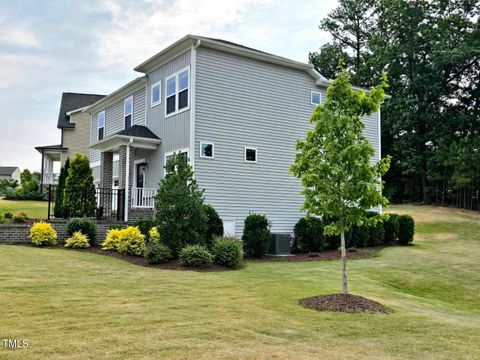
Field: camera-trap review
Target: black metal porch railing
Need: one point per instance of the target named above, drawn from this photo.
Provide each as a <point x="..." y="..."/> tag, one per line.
<point x="109" y="204"/>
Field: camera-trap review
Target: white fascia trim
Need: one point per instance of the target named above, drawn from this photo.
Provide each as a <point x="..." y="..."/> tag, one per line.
<point x="82" y="109"/>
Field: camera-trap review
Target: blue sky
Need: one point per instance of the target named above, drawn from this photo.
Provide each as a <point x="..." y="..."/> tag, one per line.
<point x="48" y="47"/>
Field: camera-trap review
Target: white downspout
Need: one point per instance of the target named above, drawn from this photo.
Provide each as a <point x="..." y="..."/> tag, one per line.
<point x="127" y="179"/>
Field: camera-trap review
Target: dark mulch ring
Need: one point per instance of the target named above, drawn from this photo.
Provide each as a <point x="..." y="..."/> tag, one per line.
<point x="343" y="303"/>
<point x="141" y="261"/>
<point x="323" y="255"/>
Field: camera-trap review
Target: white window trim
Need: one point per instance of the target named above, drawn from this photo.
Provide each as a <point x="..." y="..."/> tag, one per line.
<point x="245" y="154"/>
<point x="311" y="97"/>
<point x="152" y="103"/>
<point x="213" y="149"/>
<point x="104" y="124"/>
<point x="177" y="90"/>
<point x="125" y="114"/>
<point x="170" y="153"/>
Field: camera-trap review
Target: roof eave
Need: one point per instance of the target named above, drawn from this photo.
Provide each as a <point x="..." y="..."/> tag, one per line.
<point x="118" y="94"/>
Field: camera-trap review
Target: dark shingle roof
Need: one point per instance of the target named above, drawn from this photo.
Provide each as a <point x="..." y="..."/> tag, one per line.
<point x="73" y="101"/>
<point x="138" y="131"/>
<point x="7" y="170"/>
<point x="51" y="147"/>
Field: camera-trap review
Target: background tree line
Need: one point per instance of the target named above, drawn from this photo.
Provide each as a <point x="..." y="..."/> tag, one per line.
<point x="431" y="125"/>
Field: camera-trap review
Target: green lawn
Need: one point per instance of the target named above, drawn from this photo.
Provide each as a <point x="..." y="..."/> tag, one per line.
<point x="86" y="306"/>
<point x="34" y="209"/>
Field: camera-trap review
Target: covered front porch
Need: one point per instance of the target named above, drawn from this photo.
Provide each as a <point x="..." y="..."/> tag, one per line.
<point x="53" y="157"/>
<point x="133" y="147"/>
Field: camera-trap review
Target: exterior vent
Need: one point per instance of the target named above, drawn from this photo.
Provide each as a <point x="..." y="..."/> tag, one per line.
<point x="280" y="244"/>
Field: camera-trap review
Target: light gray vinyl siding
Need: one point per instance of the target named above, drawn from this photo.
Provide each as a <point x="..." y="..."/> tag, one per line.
<point x="139" y="107"/>
<point x="243" y="102"/>
<point x="94" y="154"/>
<point x="173" y="130"/>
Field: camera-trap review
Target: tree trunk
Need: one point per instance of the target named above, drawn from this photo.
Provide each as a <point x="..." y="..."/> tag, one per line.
<point x="344" y="263"/>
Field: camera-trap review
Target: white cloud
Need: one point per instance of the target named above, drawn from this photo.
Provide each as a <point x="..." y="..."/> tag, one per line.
<point x="16" y="36"/>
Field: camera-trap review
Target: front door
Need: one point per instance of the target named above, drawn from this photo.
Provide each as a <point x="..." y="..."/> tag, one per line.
<point x="140" y="171"/>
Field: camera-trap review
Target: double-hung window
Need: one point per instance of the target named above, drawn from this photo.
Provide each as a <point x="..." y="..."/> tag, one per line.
<point x="177" y="91"/>
<point x="128" y="112"/>
<point x="156" y="94"/>
<point x="101" y="125"/>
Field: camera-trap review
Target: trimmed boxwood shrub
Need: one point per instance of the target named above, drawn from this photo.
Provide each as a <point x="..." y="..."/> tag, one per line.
<point x="256" y="235"/>
<point x="196" y="256"/>
<point x="131" y="241"/>
<point x="308" y="234"/>
<point x="214" y="225"/>
<point x="227" y="251"/>
<point x="359" y="236"/>
<point x="43" y="234"/>
<point x="85" y="226"/>
<point x="376" y="233"/>
<point x="157" y="253"/>
<point x="392" y="227"/>
<point x="406" y="229"/>
<point x="77" y="241"/>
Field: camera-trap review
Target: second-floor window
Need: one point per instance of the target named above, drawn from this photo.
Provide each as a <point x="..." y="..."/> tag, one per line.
<point x="315" y="97"/>
<point x="177" y="91"/>
<point x="128" y="112"/>
<point x="156" y="94"/>
<point x="101" y="125"/>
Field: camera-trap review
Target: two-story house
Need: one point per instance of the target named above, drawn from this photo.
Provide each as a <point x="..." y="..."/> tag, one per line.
<point x="74" y="125"/>
<point x="234" y="112"/>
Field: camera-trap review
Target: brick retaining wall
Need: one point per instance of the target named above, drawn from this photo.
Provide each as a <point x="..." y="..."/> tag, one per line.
<point x="18" y="233"/>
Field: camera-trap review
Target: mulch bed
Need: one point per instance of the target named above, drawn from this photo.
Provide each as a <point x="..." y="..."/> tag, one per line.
<point x="343" y="303"/>
<point x="324" y="255"/>
<point x="141" y="261"/>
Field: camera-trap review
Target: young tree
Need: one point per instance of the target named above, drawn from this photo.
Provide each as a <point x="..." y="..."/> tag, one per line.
<point x="58" y="210"/>
<point x="179" y="207"/>
<point x="79" y="195"/>
<point x="334" y="162"/>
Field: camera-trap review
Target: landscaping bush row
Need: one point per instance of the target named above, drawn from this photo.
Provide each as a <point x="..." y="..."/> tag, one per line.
<point x="378" y="230"/>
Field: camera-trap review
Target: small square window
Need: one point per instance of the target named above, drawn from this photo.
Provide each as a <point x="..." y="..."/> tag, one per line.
<point x="206" y="150"/>
<point x="250" y="154"/>
<point x="315" y="98"/>
<point x="155" y="94"/>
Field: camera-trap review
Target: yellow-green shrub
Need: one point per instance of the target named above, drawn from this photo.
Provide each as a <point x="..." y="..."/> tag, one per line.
<point x="112" y="239"/>
<point x="131" y="241"/>
<point x="77" y="241"/>
<point x="43" y="234"/>
<point x="154" y="235"/>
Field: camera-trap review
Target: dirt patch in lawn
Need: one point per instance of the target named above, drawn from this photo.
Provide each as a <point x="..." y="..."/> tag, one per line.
<point x="343" y="303"/>
<point x="141" y="261"/>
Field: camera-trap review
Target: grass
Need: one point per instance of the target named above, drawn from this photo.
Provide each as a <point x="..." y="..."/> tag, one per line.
<point x="34" y="209"/>
<point x="67" y="302"/>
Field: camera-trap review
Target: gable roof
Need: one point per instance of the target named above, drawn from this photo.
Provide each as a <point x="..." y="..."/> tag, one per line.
<point x="188" y="41"/>
<point x="73" y="101"/>
<point x="7" y="170"/>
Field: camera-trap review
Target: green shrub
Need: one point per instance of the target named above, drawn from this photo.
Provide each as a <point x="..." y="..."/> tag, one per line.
<point x="20" y="218"/>
<point x="392" y="228"/>
<point x="79" y="198"/>
<point x="77" y="241"/>
<point x="8" y="215"/>
<point x="2" y="219"/>
<point x="195" y="256"/>
<point x="308" y="234"/>
<point x="214" y="225"/>
<point x="115" y="226"/>
<point x="58" y="210"/>
<point x="376" y="233"/>
<point x="406" y="229"/>
<point x="43" y="234"/>
<point x="85" y="226"/>
<point x="145" y="225"/>
<point x="131" y="241"/>
<point x="256" y="235"/>
<point x="157" y="253"/>
<point x="360" y="236"/>
<point x="227" y="251"/>
<point x="112" y="239"/>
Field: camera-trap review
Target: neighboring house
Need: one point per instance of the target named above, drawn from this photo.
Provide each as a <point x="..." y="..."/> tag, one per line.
<point x="75" y="128"/>
<point x="234" y="112"/>
<point x="10" y="172"/>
